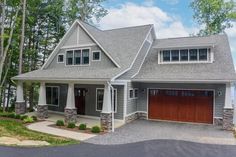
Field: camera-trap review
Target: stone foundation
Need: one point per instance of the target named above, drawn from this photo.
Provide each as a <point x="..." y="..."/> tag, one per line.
<point x="70" y="115"/>
<point x="106" y="121"/>
<point x="137" y="115"/>
<point x="20" y="107"/>
<point x="42" y="111"/>
<point x="228" y="116"/>
<point x="218" y="121"/>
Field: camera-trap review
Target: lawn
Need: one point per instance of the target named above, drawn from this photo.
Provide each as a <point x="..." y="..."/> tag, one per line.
<point x="16" y="129"/>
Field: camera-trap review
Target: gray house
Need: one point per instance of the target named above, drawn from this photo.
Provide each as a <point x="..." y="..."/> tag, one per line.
<point x="131" y="73"/>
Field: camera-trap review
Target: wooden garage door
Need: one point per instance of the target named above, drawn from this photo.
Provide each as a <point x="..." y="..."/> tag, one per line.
<point x="181" y="105"/>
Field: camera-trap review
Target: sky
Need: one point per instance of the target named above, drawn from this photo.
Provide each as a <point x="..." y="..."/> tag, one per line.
<point x="171" y="18"/>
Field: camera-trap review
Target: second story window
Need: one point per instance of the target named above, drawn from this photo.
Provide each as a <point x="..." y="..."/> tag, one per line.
<point x="96" y="56"/>
<point x="60" y="58"/>
<point x="77" y="57"/>
<point x="193" y="54"/>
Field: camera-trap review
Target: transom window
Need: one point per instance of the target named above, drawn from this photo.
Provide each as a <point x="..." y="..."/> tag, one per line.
<point x="96" y="56"/>
<point x="185" y="55"/>
<point x="77" y="57"/>
<point x="52" y="95"/>
<point x="99" y="99"/>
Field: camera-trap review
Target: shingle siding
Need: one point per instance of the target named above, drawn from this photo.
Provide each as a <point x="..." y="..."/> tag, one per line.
<point x="132" y="104"/>
<point x="219" y="100"/>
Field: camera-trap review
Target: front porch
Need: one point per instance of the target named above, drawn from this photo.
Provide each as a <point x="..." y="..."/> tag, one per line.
<point x="93" y="103"/>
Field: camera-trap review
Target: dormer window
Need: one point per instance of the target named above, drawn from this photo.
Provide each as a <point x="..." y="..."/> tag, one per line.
<point x="185" y="55"/>
<point x="77" y="57"/>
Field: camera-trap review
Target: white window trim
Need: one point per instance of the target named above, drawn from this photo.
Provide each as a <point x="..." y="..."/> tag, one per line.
<point x="209" y="53"/>
<point x="80" y="58"/>
<point x="133" y="97"/>
<point x="58" y="87"/>
<point x="99" y="55"/>
<point x="63" y="58"/>
<point x="97" y="99"/>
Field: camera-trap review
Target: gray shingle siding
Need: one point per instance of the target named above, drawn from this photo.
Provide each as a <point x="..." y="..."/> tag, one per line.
<point x="131" y="103"/>
<point x="219" y="100"/>
<point x="138" y="62"/>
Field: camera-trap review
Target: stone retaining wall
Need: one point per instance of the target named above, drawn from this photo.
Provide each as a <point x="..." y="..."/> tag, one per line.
<point x="137" y="115"/>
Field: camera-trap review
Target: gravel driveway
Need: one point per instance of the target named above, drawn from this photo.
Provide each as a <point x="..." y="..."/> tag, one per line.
<point x="142" y="130"/>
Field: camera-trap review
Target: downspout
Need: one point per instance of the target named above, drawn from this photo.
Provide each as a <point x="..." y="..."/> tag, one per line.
<point x="113" y="107"/>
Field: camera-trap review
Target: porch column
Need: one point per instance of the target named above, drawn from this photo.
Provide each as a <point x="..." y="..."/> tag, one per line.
<point x="106" y="114"/>
<point x="70" y="110"/>
<point x="20" y="105"/>
<point x="228" y="109"/>
<point x="42" y="108"/>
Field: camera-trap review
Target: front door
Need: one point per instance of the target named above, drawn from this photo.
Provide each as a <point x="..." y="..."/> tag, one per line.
<point x="80" y="100"/>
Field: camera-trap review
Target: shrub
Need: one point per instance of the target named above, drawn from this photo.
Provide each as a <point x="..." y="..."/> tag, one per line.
<point x="60" y="123"/>
<point x="5" y="114"/>
<point x="71" y="125"/>
<point x="82" y="127"/>
<point x="28" y="120"/>
<point x="23" y="117"/>
<point x="12" y="115"/>
<point x="96" y="129"/>
<point x="17" y="116"/>
<point x="34" y="118"/>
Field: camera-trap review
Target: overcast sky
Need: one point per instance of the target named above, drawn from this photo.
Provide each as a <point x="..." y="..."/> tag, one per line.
<point x="171" y="18"/>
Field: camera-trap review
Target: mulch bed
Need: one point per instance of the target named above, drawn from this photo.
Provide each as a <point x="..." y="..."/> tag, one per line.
<point x="76" y="129"/>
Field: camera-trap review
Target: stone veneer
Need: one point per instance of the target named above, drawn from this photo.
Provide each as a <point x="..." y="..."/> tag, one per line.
<point x="228" y="119"/>
<point x="106" y="121"/>
<point x="218" y="121"/>
<point x="70" y="115"/>
<point x="42" y="111"/>
<point x="137" y="115"/>
<point x="20" y="107"/>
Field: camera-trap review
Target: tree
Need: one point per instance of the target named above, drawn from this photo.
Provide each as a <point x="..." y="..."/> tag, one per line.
<point x="214" y="15"/>
<point x="85" y="10"/>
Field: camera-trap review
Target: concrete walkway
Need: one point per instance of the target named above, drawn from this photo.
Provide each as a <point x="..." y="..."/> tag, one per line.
<point x="45" y="128"/>
<point x="142" y="130"/>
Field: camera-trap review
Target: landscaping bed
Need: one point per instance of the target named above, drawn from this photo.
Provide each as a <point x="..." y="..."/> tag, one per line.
<point x="16" y="128"/>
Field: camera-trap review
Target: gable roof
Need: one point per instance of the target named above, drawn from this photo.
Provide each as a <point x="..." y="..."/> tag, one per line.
<point x="222" y="69"/>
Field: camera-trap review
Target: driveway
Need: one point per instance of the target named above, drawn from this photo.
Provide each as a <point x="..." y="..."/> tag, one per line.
<point x="159" y="148"/>
<point x="142" y="130"/>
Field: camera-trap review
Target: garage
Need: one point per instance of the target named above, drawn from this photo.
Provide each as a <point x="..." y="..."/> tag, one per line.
<point x="181" y="105"/>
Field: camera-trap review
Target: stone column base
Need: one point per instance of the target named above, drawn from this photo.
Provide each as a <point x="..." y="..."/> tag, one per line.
<point x="20" y="107"/>
<point x="42" y="111"/>
<point x="70" y="115"/>
<point x="218" y="121"/>
<point x="228" y="116"/>
<point x="106" y="121"/>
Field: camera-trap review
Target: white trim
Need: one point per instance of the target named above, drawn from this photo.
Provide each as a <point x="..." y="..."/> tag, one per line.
<point x="118" y="75"/>
<point x="125" y="100"/>
<point x="81" y="57"/>
<point x="99" y="55"/>
<point x="109" y="56"/>
<point x="186" y="46"/>
<point x="78" y="46"/>
<point x="58" y="88"/>
<point x="103" y="92"/>
<point x="213" y="90"/>
<point x="63" y="58"/>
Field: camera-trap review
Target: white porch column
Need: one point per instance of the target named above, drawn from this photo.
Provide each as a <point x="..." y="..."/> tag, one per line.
<point x="42" y="94"/>
<point x="70" y="110"/>
<point x="106" y="114"/>
<point x="228" y="109"/>
<point x="42" y="108"/>
<point x="20" y="105"/>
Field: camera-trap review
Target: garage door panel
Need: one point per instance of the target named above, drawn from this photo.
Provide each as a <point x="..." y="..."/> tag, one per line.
<point x="181" y="105"/>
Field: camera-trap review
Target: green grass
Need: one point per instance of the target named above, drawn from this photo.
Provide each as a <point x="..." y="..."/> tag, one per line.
<point x="12" y="128"/>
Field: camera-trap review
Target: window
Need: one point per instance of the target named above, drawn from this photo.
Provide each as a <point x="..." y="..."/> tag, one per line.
<point x="133" y="93"/>
<point x="166" y="56"/>
<point x="202" y="54"/>
<point x="85" y="56"/>
<point x="60" y="58"/>
<point x="69" y="56"/>
<point x="174" y="55"/>
<point x="193" y="54"/>
<point x="52" y="95"/>
<point x="184" y="55"/>
<point x="77" y="56"/>
<point x="100" y="94"/>
<point x="96" y="55"/>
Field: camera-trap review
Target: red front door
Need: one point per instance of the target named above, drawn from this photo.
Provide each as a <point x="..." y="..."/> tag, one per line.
<point x="80" y="100"/>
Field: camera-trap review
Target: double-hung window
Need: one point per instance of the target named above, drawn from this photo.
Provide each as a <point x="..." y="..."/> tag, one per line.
<point x="77" y="57"/>
<point x="174" y="55"/>
<point x="202" y="54"/>
<point x="193" y="55"/>
<point x="52" y="95"/>
<point x="184" y="55"/>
